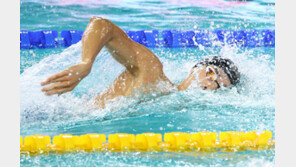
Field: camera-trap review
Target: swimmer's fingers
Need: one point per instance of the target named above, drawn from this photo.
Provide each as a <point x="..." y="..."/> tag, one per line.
<point x="60" y="91"/>
<point x="54" y="77"/>
<point x="58" y="85"/>
<point x="61" y="79"/>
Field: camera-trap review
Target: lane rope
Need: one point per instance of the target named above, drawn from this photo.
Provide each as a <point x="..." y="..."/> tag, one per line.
<point x="147" y="142"/>
<point x="153" y="38"/>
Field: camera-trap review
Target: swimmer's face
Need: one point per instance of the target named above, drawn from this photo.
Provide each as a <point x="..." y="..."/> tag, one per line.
<point x="211" y="77"/>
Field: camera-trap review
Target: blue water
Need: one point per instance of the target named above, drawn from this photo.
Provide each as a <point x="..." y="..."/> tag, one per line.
<point x="249" y="106"/>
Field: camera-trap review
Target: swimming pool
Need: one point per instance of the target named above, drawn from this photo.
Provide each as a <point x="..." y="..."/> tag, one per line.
<point x="248" y="107"/>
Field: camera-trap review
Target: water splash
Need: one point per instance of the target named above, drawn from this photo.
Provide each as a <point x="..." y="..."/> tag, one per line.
<point x="255" y="92"/>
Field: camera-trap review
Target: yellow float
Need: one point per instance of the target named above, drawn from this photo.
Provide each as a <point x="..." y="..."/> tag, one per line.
<point x="147" y="142"/>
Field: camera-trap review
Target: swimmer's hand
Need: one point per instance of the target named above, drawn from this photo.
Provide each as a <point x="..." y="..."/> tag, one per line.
<point x="66" y="80"/>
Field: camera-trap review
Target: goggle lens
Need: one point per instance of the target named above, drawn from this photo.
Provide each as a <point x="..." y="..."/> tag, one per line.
<point x="211" y="74"/>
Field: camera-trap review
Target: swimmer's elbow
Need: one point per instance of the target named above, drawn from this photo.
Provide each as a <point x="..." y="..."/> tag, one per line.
<point x="99" y="20"/>
<point x="94" y="18"/>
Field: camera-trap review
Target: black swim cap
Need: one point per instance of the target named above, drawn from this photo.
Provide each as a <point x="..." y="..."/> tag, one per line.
<point x="225" y="64"/>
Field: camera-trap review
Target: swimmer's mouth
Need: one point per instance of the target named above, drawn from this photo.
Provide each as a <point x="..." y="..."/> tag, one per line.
<point x="218" y="85"/>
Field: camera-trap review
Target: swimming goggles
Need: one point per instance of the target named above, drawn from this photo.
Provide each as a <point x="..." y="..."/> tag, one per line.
<point x="212" y="75"/>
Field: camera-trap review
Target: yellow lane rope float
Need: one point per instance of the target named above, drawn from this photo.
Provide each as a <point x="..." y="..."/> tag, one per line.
<point x="175" y="141"/>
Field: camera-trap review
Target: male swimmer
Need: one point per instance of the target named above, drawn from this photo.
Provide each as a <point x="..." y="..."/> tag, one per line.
<point x="143" y="70"/>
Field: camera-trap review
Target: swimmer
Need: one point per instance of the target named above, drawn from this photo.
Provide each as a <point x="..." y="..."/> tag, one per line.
<point x="143" y="70"/>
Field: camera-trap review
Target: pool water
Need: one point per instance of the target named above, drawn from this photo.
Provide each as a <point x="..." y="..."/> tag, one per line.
<point x="249" y="106"/>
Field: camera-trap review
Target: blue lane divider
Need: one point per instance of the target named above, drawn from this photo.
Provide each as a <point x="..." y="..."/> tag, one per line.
<point x="24" y="39"/>
<point x="202" y="37"/>
<point x="71" y="37"/>
<point x="151" y="38"/>
<point x="252" y="38"/>
<point x="268" y="37"/>
<point x="41" y="39"/>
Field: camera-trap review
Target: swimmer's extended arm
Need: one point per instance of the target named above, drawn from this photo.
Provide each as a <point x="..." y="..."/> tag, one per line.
<point x="101" y="32"/>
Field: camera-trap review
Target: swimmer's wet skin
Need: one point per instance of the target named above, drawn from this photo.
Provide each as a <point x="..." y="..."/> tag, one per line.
<point x="143" y="68"/>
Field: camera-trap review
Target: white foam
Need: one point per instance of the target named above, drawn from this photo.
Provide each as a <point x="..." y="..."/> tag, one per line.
<point x="256" y="90"/>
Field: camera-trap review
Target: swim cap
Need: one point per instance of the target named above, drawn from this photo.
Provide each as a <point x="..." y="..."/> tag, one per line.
<point x="225" y="64"/>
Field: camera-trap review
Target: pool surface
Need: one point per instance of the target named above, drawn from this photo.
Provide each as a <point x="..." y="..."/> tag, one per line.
<point x="249" y="106"/>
